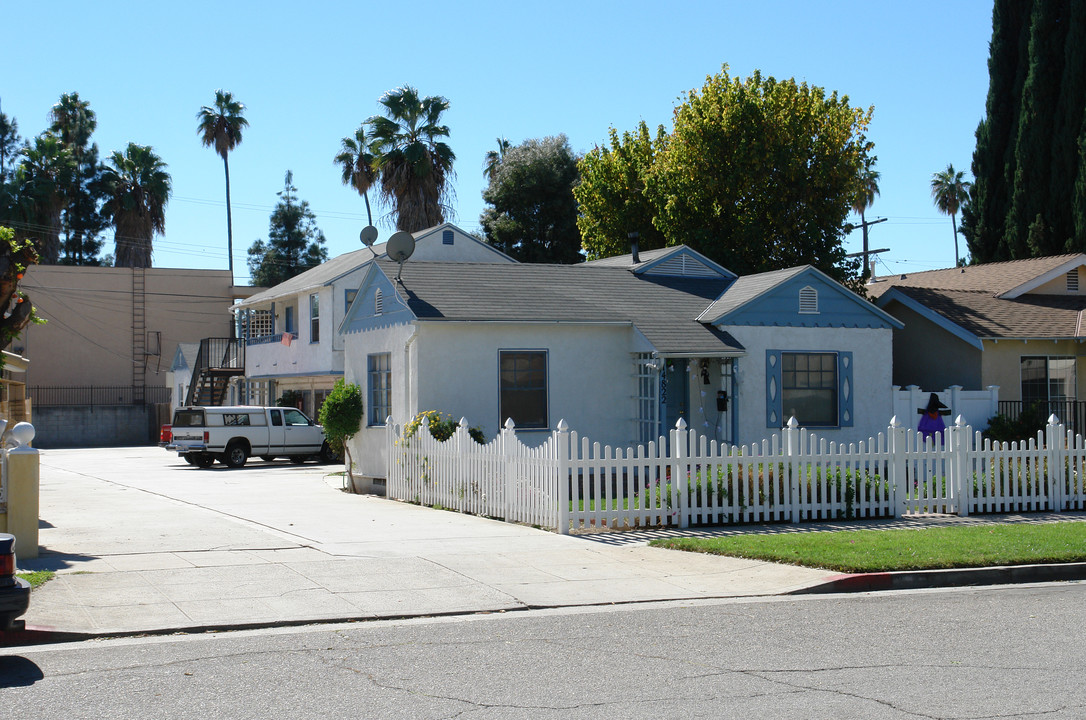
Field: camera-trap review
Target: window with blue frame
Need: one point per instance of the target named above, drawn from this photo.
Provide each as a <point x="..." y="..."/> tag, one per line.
<point x="522" y="383"/>
<point x="288" y="320"/>
<point x="813" y="387"/>
<point x="379" y="369"/>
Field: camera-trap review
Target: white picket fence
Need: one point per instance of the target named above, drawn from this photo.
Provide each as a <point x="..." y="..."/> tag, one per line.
<point x="570" y="483"/>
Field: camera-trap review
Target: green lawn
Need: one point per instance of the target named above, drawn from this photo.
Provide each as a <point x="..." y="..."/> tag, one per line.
<point x="886" y="550"/>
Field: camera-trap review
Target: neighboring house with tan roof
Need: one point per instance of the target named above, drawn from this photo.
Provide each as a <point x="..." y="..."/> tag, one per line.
<point x="290" y="329"/>
<point x="620" y="350"/>
<point x="1018" y="325"/>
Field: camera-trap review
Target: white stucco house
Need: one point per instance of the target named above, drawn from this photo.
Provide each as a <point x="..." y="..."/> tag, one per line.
<point x="620" y="349"/>
<point x="290" y="330"/>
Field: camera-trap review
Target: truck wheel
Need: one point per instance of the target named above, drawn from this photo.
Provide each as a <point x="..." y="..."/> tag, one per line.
<point x="203" y="461"/>
<point x="236" y="455"/>
<point x="327" y="456"/>
<point x="189" y="459"/>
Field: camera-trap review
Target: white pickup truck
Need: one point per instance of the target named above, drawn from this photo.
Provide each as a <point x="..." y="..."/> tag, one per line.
<point x="233" y="434"/>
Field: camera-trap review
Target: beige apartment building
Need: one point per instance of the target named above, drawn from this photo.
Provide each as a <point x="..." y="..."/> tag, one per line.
<point x="98" y="366"/>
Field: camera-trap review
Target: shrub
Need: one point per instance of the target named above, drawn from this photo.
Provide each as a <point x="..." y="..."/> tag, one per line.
<point x="442" y="426"/>
<point x="1002" y="428"/>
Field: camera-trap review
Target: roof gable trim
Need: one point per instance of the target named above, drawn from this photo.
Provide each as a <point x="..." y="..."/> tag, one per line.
<point x="1043" y="278"/>
<point x="893" y="294"/>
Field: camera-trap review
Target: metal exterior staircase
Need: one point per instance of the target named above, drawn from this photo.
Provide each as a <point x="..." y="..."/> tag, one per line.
<point x="219" y="360"/>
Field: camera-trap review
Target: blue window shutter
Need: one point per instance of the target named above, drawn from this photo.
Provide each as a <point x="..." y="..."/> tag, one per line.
<point x="446" y="237"/>
<point x="773" y="403"/>
<point x="844" y="389"/>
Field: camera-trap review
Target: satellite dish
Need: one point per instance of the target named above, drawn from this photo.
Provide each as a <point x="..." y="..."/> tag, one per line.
<point x="399" y="248"/>
<point x="368" y="235"/>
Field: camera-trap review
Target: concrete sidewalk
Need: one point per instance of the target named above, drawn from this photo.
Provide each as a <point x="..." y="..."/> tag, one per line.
<point x="143" y="543"/>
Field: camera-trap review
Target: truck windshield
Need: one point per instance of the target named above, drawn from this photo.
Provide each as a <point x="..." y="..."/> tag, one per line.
<point x="188" y="418"/>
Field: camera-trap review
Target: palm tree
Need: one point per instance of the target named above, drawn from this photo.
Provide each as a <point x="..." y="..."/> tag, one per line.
<point x="220" y="127"/>
<point x="865" y="198"/>
<point x="41" y="181"/>
<point x="950" y="191"/>
<point x="357" y="163"/>
<point x="413" y="165"/>
<point x="138" y="189"/>
<point x="493" y="159"/>
<point x="73" y="121"/>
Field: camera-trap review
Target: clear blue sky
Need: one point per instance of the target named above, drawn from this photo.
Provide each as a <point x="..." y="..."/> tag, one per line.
<point x="310" y="73"/>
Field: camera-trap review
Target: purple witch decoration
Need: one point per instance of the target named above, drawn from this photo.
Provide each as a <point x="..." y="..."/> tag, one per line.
<point x="931" y="418"/>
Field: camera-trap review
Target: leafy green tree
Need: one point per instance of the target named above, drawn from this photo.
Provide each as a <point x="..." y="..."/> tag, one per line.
<point x="611" y="193"/>
<point x="357" y="163"/>
<point x="760" y="174"/>
<point x="949" y="191"/>
<point x="413" y="163"/>
<point x="74" y="122"/>
<point x="220" y="127"/>
<point x="533" y="214"/>
<point x="493" y="158"/>
<point x="295" y="243"/>
<point x="341" y="417"/>
<point x="15" y="256"/>
<point x="138" y="189"/>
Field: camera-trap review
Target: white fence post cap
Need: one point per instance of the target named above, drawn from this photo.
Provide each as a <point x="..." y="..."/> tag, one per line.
<point x="680" y="425"/>
<point x="1052" y="420"/>
<point x="509" y="424"/>
<point x="563" y="426"/>
<point x="792" y="422"/>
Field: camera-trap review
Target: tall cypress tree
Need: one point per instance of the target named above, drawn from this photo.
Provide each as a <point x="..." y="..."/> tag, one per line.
<point x="1032" y="223"/>
<point x="1029" y="195"/>
<point x="993" y="159"/>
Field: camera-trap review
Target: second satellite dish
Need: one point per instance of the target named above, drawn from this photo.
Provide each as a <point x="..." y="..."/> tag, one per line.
<point x="399" y="248"/>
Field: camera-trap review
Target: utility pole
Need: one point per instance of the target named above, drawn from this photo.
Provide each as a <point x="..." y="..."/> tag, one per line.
<point x="867" y="271"/>
<point x="867" y="268"/>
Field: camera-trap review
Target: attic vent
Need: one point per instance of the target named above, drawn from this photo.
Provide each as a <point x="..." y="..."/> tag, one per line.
<point x="1072" y="281"/>
<point x="682" y="266"/>
<point x="446" y="237"/>
<point x="378" y="303"/>
<point x="808" y="301"/>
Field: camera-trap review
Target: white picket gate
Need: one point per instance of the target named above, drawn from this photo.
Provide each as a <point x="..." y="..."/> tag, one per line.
<point x="569" y="482"/>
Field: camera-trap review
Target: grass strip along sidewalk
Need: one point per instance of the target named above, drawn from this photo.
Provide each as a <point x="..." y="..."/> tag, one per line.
<point x="866" y="551"/>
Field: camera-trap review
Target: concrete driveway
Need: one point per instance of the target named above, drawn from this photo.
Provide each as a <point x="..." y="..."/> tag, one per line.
<point x="143" y="542"/>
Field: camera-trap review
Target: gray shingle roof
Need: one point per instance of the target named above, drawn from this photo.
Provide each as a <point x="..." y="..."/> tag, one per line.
<point x="663" y="308"/>
<point x="626" y="261"/>
<point x="316" y="277"/>
<point x="747" y="288"/>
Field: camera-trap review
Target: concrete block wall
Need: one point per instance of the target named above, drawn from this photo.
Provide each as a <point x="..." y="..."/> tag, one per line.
<point x="95" y="426"/>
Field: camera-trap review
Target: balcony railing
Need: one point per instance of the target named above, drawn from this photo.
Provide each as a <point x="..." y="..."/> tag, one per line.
<point x="1072" y="413"/>
<point x="268" y="339"/>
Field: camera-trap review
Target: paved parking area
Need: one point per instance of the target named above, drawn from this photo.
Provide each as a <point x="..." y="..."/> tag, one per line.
<point x="143" y="542"/>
